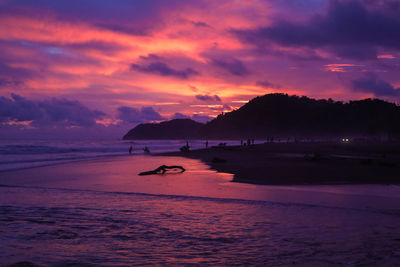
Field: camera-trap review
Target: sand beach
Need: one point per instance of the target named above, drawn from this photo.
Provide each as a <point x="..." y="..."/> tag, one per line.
<point x="304" y="163"/>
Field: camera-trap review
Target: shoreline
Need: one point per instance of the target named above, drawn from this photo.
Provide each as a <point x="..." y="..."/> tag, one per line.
<point x="304" y="163"/>
<point x="312" y="163"/>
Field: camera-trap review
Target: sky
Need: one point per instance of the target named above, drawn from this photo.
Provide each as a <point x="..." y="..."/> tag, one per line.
<point x="97" y="68"/>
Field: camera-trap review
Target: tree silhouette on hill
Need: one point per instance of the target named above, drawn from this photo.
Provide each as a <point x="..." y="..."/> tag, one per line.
<point x="286" y="116"/>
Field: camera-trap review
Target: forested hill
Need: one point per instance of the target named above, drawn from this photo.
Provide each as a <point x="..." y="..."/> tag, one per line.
<point x="293" y="116"/>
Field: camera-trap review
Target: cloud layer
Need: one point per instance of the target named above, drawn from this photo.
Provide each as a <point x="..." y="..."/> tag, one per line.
<point x="133" y="115"/>
<point x="49" y="112"/>
<point x="142" y="61"/>
<point x="375" y="86"/>
<point x="349" y="29"/>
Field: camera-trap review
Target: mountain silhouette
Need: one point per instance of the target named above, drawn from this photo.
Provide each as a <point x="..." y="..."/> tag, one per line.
<point x="281" y="115"/>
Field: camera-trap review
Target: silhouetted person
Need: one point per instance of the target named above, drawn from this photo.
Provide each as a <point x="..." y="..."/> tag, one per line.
<point x="185" y="148"/>
<point x="146" y="149"/>
<point x="248" y="142"/>
<point x="130" y="150"/>
<point x="162" y="169"/>
<point x="206" y="143"/>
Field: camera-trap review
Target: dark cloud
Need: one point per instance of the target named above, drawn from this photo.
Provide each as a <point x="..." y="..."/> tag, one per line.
<point x="50" y="112"/>
<point x="178" y="115"/>
<point x="358" y="52"/>
<point x="139" y="31"/>
<point x="133" y="115"/>
<point x="268" y="84"/>
<point x="10" y="75"/>
<point x="349" y="29"/>
<point x="208" y="98"/>
<point x="200" y="24"/>
<point x="151" y="57"/>
<point x="116" y="12"/>
<point x="8" y="82"/>
<point x="163" y="69"/>
<point x="375" y="86"/>
<point x="232" y="65"/>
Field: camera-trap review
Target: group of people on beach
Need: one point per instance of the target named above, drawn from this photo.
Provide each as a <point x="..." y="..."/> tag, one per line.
<point x="249" y="142"/>
<point x="145" y="149"/>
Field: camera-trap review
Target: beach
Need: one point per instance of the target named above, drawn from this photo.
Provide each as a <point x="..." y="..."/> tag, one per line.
<point x="100" y="212"/>
<point x="304" y="163"/>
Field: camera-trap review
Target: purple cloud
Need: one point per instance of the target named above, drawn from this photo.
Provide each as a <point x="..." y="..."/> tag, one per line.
<point x="179" y="115"/>
<point x="200" y="24"/>
<point x="348" y="29"/>
<point x="163" y="69"/>
<point x="208" y="98"/>
<point x="151" y="57"/>
<point x="133" y="115"/>
<point x="14" y="75"/>
<point x="232" y="65"/>
<point x="49" y="112"/>
<point x="375" y="86"/>
<point x="268" y="84"/>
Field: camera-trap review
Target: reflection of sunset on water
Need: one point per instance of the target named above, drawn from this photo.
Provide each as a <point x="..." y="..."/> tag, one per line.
<point x="101" y="211"/>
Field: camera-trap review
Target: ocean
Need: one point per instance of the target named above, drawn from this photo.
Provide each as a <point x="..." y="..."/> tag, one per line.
<point x="97" y="211"/>
<point x="20" y="154"/>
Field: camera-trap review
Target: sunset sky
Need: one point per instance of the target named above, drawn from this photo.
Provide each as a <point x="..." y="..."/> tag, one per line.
<point x="98" y="68"/>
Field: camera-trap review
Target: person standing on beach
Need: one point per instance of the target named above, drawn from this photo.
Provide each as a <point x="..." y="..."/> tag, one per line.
<point x="206" y="143"/>
<point x="130" y="150"/>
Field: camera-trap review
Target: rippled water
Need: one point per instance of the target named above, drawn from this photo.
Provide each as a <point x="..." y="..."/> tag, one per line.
<point x="100" y="213"/>
<point x="20" y="154"/>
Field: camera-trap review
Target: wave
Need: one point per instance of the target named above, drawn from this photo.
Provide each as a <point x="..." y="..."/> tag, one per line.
<point x="286" y="204"/>
<point x="25" y="154"/>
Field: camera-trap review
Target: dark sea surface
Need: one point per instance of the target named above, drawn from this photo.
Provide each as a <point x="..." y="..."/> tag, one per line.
<point x="101" y="213"/>
<point x="20" y="154"/>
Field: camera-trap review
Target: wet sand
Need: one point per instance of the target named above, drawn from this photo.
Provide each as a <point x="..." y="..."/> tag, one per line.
<point x="102" y="212"/>
<point x="304" y="163"/>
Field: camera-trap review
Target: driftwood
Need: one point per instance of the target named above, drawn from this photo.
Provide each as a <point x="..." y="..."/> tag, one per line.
<point x="162" y="169"/>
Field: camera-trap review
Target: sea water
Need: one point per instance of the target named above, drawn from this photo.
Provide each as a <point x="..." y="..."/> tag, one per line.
<point x="101" y="213"/>
<point x="19" y="154"/>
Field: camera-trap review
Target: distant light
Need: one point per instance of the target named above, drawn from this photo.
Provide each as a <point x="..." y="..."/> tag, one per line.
<point x="345" y="140"/>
